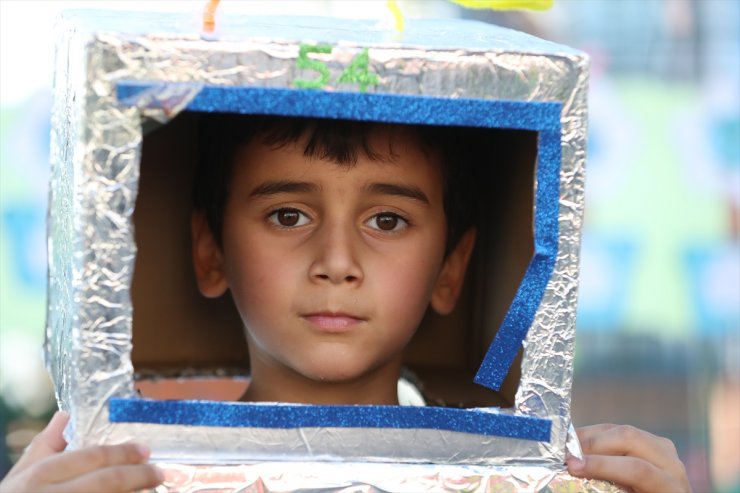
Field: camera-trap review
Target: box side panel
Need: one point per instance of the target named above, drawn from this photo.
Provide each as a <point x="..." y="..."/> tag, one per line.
<point x="62" y="344"/>
<point x="547" y="366"/>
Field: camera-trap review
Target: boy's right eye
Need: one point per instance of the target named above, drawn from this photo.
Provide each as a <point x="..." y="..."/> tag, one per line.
<point x="288" y="218"/>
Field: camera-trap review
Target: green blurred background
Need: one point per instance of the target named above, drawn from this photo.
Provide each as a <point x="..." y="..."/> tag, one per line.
<point x="659" y="311"/>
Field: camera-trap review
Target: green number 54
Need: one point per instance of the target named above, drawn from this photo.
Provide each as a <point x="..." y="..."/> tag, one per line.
<point x="357" y="72"/>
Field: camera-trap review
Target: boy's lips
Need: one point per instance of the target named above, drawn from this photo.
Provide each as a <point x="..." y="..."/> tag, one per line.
<point x="332" y="322"/>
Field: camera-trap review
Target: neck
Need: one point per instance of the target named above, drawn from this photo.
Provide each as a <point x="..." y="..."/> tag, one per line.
<point x="275" y="383"/>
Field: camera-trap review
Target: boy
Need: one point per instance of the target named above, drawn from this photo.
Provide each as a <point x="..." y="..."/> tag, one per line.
<point x="333" y="238"/>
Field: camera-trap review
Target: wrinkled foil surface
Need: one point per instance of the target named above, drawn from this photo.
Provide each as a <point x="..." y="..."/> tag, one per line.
<point x="96" y="145"/>
<point x="331" y="477"/>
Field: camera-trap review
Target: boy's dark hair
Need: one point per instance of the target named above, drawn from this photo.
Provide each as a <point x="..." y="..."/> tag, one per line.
<point x="222" y="134"/>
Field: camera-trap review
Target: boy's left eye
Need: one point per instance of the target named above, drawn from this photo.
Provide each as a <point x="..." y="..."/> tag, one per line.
<point x="387" y="221"/>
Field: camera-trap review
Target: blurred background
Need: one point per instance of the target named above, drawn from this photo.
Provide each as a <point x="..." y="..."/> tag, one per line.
<point x="659" y="313"/>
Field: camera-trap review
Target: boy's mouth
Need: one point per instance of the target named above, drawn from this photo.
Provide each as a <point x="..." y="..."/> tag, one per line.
<point x="335" y="323"/>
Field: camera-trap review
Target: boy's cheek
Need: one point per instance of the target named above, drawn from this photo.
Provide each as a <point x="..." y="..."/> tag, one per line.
<point x="261" y="283"/>
<point x="405" y="288"/>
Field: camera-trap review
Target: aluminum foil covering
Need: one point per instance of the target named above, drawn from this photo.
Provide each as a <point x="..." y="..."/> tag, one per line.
<point x="371" y="478"/>
<point x="96" y="147"/>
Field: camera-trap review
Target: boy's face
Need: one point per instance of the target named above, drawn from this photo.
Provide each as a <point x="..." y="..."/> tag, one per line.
<point x="331" y="267"/>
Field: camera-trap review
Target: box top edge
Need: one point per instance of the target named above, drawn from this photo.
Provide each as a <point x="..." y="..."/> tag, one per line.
<point x="427" y="34"/>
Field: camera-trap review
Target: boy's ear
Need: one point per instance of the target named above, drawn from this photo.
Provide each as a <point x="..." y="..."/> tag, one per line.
<point x="207" y="258"/>
<point x="451" y="277"/>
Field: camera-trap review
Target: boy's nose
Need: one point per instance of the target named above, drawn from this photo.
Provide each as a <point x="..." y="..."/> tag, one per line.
<point x="335" y="259"/>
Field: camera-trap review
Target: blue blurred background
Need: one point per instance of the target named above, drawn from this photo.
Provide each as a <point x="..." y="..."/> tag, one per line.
<point x="659" y="310"/>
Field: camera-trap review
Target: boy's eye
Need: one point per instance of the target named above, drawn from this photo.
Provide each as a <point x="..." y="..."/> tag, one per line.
<point x="387" y="221"/>
<point x="288" y="218"/>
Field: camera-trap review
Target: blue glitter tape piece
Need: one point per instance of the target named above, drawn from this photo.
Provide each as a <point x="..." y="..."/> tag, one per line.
<point x="519" y="318"/>
<point x="241" y="414"/>
<point x="389" y="108"/>
<point x="543" y="117"/>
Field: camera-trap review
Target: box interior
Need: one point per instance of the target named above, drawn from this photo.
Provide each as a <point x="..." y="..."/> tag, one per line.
<point x="187" y="346"/>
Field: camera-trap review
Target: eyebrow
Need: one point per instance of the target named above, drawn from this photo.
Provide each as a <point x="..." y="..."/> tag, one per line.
<point x="282" y="186"/>
<point x="408" y="191"/>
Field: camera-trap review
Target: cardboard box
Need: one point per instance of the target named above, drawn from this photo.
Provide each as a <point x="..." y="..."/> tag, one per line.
<point x="124" y="313"/>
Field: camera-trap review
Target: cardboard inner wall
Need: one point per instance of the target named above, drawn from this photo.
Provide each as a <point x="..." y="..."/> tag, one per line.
<point x="179" y="333"/>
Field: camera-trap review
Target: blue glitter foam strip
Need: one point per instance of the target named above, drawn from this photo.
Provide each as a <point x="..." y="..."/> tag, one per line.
<point x="389" y="108"/>
<point x="242" y="414"/>
<point x="543" y="117"/>
<point x="519" y="318"/>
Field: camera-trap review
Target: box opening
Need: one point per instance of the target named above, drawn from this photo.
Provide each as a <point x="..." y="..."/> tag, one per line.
<point x="186" y="346"/>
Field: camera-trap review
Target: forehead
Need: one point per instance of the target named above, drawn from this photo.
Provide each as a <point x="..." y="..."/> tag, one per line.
<point x="372" y="151"/>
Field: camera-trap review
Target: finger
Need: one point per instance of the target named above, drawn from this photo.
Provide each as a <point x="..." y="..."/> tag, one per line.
<point x="631" y="472"/>
<point x="79" y="462"/>
<point x="586" y="432"/>
<point x="631" y="441"/>
<point x="48" y="442"/>
<point x="116" y="479"/>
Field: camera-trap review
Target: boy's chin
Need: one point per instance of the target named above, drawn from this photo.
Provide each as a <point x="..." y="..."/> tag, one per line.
<point x="351" y="387"/>
<point x="333" y="368"/>
<point x="330" y="376"/>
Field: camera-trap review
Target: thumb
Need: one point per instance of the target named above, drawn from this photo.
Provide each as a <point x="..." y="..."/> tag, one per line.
<point x="48" y="442"/>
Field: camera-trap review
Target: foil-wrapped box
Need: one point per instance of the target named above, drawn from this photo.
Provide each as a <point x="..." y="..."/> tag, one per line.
<point x="124" y="314"/>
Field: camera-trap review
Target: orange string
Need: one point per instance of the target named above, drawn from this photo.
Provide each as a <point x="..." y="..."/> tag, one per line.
<point x="209" y="16"/>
